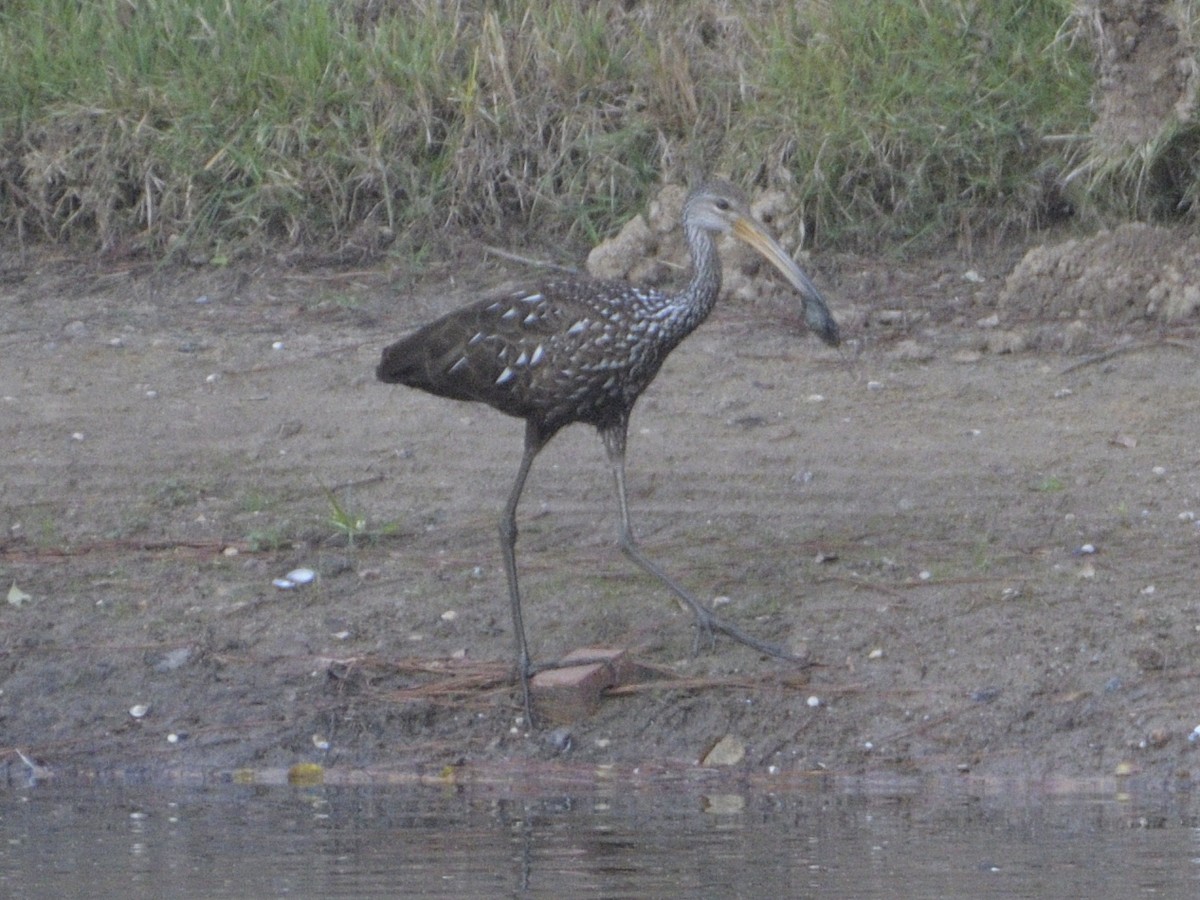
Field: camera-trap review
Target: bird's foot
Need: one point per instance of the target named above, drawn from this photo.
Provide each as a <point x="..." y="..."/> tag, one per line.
<point x="708" y="624"/>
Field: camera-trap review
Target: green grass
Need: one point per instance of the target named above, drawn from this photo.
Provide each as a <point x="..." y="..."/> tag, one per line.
<point x="912" y="120"/>
<point x="240" y="124"/>
<point x="351" y="524"/>
<point x="1050" y="484"/>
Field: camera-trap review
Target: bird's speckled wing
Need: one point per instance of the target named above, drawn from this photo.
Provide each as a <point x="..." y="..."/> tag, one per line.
<point x="553" y="351"/>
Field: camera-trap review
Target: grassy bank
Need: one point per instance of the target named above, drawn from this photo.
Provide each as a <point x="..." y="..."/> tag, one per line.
<point x="242" y="123"/>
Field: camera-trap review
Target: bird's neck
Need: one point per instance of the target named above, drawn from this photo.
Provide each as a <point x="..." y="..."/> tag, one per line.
<point x="705" y="285"/>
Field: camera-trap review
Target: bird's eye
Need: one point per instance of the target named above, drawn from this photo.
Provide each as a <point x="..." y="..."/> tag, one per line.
<point x="722" y="204"/>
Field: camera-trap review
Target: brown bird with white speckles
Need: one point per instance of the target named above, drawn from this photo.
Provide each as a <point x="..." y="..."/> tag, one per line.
<point x="580" y="350"/>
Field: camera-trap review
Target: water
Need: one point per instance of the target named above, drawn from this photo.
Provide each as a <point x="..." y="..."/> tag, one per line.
<point x="645" y="841"/>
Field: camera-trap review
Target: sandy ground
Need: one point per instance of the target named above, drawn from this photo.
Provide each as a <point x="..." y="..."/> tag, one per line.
<point x="979" y="522"/>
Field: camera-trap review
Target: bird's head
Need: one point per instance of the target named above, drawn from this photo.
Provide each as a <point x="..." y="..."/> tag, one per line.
<point x="722" y="208"/>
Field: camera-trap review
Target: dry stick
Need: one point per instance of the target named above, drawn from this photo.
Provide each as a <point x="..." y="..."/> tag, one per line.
<point x="24" y="553"/>
<point x="527" y="261"/>
<point x="1129" y="348"/>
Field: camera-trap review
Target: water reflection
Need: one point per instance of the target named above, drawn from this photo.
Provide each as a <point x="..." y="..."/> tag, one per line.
<point x="617" y="841"/>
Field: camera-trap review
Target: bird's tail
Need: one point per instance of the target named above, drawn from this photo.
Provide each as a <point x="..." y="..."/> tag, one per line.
<point x="399" y="365"/>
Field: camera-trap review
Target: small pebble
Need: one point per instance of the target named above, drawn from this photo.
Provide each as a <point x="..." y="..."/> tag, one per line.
<point x="139" y="710"/>
<point x="560" y="740"/>
<point x="77" y="435"/>
<point x="728" y="751"/>
<point x="814" y="701"/>
<point x="283" y="584"/>
<point x="278" y="345"/>
<point x="1159" y="470"/>
<point x="1087" y="549"/>
<point x="449" y="615"/>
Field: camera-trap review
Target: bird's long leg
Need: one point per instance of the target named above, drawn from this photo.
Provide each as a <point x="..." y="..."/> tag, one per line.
<point x="535" y="440"/>
<point x="707" y="622"/>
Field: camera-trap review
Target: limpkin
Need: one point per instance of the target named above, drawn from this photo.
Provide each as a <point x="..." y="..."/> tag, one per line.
<point x="582" y="350"/>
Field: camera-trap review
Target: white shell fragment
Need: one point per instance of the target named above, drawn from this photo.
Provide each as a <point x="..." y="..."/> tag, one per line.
<point x="295" y="578"/>
<point x="139" y="710"/>
<point x="17" y="597"/>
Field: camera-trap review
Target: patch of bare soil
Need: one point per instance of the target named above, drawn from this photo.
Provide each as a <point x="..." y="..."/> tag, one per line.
<point x="988" y="546"/>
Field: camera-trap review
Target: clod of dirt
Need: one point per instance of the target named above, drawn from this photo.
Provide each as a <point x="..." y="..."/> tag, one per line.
<point x="1132" y="272"/>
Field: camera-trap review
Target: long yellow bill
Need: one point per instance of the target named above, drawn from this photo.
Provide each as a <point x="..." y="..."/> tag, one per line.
<point x="816" y="312"/>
